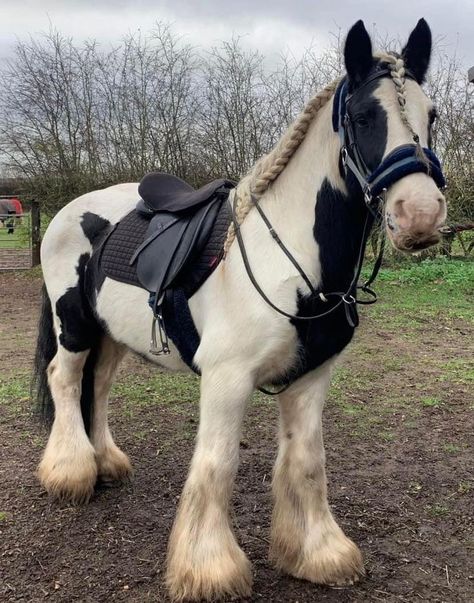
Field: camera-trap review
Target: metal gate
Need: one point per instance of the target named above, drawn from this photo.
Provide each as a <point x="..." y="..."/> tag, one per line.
<point x="20" y="238"/>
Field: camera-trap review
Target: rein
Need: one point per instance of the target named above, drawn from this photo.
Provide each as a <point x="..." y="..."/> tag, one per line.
<point x="345" y="297"/>
<point x="348" y="298"/>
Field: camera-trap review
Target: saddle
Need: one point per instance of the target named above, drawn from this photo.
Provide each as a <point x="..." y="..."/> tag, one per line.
<point x="181" y="221"/>
<point x="172" y="240"/>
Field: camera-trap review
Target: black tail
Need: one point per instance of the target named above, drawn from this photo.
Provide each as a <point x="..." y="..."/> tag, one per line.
<point x="46" y="348"/>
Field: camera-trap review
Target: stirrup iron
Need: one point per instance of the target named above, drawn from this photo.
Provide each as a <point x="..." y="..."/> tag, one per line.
<point x="154" y="348"/>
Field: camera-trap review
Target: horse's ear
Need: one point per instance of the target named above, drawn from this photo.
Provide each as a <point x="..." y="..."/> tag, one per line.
<point x="417" y="52"/>
<point x="358" y="53"/>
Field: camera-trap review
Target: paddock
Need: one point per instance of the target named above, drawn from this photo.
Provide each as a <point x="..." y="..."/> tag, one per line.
<point x="398" y="435"/>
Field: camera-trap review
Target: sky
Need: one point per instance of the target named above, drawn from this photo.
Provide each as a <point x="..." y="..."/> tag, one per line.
<point x="271" y="26"/>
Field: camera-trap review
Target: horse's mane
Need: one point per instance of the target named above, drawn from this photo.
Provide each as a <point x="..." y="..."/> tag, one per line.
<point x="267" y="169"/>
<point x="270" y="166"/>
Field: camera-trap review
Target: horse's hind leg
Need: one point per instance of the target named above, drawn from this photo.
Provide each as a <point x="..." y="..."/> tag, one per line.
<point x="112" y="463"/>
<point x="68" y="468"/>
<point x="306" y="540"/>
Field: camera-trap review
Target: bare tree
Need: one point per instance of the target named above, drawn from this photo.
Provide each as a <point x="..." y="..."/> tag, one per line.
<point x="77" y="117"/>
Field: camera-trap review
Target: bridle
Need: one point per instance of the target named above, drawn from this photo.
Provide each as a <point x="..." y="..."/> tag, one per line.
<point x="400" y="162"/>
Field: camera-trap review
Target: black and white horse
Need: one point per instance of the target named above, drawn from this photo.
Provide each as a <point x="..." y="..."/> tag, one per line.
<point x="347" y="141"/>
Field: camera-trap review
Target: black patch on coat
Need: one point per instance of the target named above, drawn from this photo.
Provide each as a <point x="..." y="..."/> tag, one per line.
<point x="338" y="228"/>
<point x="79" y="329"/>
<point x="93" y="226"/>
<point x="369" y="124"/>
<point x="97" y="230"/>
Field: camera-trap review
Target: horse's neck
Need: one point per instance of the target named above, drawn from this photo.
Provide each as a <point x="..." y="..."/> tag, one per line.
<point x="290" y="202"/>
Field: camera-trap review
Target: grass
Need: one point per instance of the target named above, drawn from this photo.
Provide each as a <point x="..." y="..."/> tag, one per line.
<point x="19" y="239"/>
<point x="412" y="295"/>
<point x="459" y="370"/>
<point x="432" y="297"/>
<point x="15" y="393"/>
<point x="465" y="487"/>
<point x="432" y="402"/>
<point x="437" y="510"/>
<point x="159" y="388"/>
<point x="451" y="448"/>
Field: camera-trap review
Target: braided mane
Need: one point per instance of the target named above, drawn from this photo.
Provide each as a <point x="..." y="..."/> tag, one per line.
<point x="267" y="169"/>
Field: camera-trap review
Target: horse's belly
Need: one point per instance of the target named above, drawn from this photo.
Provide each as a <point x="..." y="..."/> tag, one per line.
<point x="128" y="319"/>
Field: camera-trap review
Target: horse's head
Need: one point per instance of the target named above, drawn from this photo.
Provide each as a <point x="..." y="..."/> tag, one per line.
<point x="384" y="119"/>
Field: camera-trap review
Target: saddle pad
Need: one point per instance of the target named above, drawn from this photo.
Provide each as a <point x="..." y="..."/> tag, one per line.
<point x="121" y="244"/>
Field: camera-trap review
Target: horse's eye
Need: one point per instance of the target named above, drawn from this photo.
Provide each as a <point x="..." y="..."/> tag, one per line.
<point x="362" y="122"/>
<point x="433" y="116"/>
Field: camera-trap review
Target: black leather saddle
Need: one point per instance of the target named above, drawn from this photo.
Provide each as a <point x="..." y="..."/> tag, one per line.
<point x="164" y="192"/>
<point x="169" y="244"/>
<point x="181" y="222"/>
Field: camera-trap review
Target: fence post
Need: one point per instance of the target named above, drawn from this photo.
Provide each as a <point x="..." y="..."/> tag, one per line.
<point x="35" y="233"/>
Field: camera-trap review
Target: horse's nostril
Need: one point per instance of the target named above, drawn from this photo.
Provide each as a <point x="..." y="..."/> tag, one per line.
<point x="398" y="207"/>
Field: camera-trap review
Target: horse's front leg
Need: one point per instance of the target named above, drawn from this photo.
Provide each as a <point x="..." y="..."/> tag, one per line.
<point x="306" y="540"/>
<point x="204" y="559"/>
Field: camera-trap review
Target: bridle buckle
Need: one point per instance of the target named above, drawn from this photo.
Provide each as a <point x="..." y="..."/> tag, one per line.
<point x="368" y="197"/>
<point x="344" y="155"/>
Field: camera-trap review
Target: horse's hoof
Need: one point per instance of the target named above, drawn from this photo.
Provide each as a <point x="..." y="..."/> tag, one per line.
<point x="113" y="466"/>
<point x="69" y="478"/>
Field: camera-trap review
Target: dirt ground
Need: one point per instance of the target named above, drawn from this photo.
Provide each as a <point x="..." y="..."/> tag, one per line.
<point x="398" y="432"/>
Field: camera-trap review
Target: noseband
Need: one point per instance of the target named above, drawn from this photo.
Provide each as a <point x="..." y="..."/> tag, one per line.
<point x="400" y="162"/>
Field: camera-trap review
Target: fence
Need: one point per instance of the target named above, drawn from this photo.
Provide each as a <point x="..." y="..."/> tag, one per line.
<point x="20" y="239"/>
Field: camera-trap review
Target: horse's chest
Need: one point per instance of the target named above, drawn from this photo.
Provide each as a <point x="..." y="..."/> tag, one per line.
<point x="321" y="339"/>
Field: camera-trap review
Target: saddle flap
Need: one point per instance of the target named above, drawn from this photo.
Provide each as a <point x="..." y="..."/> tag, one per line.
<point x="192" y="241"/>
<point x="155" y="258"/>
<point x="170" y="242"/>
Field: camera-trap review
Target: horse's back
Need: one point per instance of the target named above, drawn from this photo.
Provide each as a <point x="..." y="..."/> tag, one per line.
<point x="69" y="238"/>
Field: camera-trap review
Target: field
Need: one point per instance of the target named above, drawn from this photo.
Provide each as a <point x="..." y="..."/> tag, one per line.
<point x="399" y="435"/>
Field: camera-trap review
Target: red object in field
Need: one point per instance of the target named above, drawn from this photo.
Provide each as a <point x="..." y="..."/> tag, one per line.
<point x="17" y="204"/>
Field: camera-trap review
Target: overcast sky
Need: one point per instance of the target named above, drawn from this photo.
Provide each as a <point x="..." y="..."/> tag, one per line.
<point x="272" y="26"/>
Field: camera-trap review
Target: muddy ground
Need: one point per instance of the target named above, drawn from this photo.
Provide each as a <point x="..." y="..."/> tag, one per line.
<point x="398" y="432"/>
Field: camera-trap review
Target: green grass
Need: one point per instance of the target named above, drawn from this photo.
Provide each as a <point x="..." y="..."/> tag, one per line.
<point x="460" y="370"/>
<point x="453" y="273"/>
<point x="432" y="297"/>
<point x="159" y="388"/>
<point x="432" y="401"/>
<point x="413" y="294"/>
<point x="437" y="510"/>
<point x="15" y="392"/>
<point x="451" y="448"/>
<point x="20" y="239"/>
<point x="465" y="487"/>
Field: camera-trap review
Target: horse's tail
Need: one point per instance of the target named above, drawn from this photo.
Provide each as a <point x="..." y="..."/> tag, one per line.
<point x="46" y="348"/>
